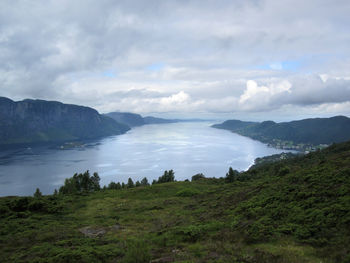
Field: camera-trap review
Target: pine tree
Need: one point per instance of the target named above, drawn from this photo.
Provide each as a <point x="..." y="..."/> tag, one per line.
<point x="144" y="181"/>
<point x="130" y="183"/>
<point x="231" y="176"/>
<point x="37" y="193"/>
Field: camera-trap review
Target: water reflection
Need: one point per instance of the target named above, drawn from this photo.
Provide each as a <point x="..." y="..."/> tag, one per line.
<point x="187" y="148"/>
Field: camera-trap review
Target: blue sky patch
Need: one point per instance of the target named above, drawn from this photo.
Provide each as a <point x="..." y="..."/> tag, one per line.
<point x="155" y="67"/>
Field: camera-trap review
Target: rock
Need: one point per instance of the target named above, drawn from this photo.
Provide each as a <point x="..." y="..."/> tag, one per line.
<point x="116" y="227"/>
<point x="92" y="232"/>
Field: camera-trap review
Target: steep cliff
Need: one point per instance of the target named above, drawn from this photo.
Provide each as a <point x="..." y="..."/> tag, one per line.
<point x="32" y="121"/>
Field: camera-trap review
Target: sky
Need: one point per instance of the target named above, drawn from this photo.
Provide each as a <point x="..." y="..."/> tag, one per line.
<point x="251" y="60"/>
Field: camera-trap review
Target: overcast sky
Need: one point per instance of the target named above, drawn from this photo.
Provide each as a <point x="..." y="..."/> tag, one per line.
<point x="252" y="59"/>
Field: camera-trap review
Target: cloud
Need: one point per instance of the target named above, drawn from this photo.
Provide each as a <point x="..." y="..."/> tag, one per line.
<point x="180" y="56"/>
<point x="309" y="90"/>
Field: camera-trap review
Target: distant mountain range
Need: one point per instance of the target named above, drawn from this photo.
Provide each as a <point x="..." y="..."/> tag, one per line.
<point x="40" y="121"/>
<point x="308" y="131"/>
<point x="134" y="120"/>
<point x="36" y="121"/>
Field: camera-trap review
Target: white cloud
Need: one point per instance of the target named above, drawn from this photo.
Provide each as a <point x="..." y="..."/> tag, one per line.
<point x="211" y="54"/>
<point x="259" y="97"/>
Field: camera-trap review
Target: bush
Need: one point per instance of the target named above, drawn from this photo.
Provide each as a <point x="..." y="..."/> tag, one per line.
<point x="137" y="252"/>
<point x="192" y="233"/>
<point x="197" y="177"/>
<point x="20" y="204"/>
<point x="36" y="205"/>
<point x="187" y="192"/>
<point x="4" y="210"/>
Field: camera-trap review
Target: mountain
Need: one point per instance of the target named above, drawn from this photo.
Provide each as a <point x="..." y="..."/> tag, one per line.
<point x="155" y="120"/>
<point x="127" y="118"/>
<point x="293" y="211"/>
<point x="234" y="125"/>
<point x="35" y="121"/>
<point x="134" y="120"/>
<point x="308" y="131"/>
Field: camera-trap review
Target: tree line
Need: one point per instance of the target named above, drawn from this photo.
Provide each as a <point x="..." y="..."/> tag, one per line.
<point x="84" y="182"/>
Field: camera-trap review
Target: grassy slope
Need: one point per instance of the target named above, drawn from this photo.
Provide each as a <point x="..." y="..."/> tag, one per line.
<point x="292" y="211"/>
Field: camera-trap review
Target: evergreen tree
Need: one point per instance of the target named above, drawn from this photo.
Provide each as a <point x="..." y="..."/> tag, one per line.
<point x="168" y="176"/>
<point x="144" y="181"/>
<point x="55" y="192"/>
<point x="137" y="184"/>
<point x="95" y="180"/>
<point x="130" y="183"/>
<point x="231" y="176"/>
<point x="37" y="193"/>
<point x="112" y="185"/>
<point x="81" y="183"/>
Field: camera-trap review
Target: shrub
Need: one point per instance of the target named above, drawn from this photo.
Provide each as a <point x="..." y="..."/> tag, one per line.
<point x="137" y="252"/>
<point x="20" y="204"/>
<point x="197" y="177"/>
<point x="36" y="205"/>
<point x="192" y="233"/>
<point x="187" y="192"/>
<point x="4" y="210"/>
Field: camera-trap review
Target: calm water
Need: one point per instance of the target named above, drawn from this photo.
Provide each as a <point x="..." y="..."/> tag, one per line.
<point x="187" y="148"/>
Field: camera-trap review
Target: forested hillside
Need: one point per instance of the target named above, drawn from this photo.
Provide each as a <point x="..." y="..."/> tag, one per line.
<point x="308" y="131"/>
<point x="35" y="121"/>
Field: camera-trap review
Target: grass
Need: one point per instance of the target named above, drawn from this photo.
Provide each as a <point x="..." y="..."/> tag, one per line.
<point x="265" y="215"/>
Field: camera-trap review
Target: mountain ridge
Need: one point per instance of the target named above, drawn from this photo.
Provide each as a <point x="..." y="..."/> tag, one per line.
<point x="37" y="121"/>
<point x="313" y="131"/>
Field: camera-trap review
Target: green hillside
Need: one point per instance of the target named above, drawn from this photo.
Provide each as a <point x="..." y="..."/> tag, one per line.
<point x="296" y="210"/>
<point x="314" y="131"/>
<point x="40" y="121"/>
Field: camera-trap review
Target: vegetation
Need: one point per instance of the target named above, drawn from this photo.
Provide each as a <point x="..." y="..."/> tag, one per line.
<point x="302" y="135"/>
<point x="197" y="177"/>
<point x="273" y="158"/>
<point x="293" y="210"/>
<point x="81" y="183"/>
<point x="167" y="177"/>
<point x="231" y="176"/>
<point x="40" y="121"/>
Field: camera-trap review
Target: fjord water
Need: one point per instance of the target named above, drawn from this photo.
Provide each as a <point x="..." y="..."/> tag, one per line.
<point x="147" y="151"/>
